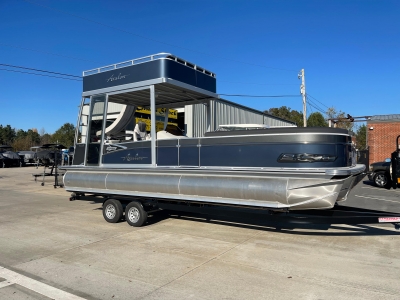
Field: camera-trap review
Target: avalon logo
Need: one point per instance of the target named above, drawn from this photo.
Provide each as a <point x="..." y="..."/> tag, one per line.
<point x="132" y="158"/>
<point x="114" y="78"/>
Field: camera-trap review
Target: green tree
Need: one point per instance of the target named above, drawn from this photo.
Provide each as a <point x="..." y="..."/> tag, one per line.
<point x="297" y="117"/>
<point x="316" y="119"/>
<point x="45" y="139"/>
<point x="33" y="137"/>
<point x="64" y="135"/>
<point x="283" y="112"/>
<point x="24" y="140"/>
<point x="21" y="143"/>
<point x="287" y="113"/>
<point x="361" y="137"/>
<point x="7" y="134"/>
<point x="20" y="134"/>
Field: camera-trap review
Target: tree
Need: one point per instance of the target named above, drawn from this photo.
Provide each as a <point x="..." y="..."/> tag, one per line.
<point x="361" y="137"/>
<point x="21" y="143"/>
<point x="287" y="113"/>
<point x="24" y="140"/>
<point x="297" y="117"/>
<point x="7" y="134"/>
<point x="283" y="112"/>
<point x="33" y="137"/>
<point x="64" y="135"/>
<point x="316" y="119"/>
<point x="45" y="139"/>
<point x="20" y="134"/>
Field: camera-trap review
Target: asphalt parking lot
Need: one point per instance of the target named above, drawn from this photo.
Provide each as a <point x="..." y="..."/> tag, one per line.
<point x="51" y="248"/>
<point x="367" y="195"/>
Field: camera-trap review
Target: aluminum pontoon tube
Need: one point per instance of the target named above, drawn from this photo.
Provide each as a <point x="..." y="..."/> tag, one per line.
<point x="268" y="190"/>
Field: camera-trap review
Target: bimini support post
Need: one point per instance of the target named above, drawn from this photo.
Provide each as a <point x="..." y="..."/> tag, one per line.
<point x="153" y="125"/>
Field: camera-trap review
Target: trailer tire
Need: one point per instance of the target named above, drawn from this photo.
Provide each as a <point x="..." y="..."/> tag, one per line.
<point x="112" y="211"/>
<point x="135" y="214"/>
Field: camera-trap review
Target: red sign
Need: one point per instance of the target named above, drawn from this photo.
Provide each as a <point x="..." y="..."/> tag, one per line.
<point x="389" y="220"/>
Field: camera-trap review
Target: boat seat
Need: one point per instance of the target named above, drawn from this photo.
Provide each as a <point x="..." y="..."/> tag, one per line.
<point x="164" y="135"/>
<point x="139" y="132"/>
<point x="112" y="141"/>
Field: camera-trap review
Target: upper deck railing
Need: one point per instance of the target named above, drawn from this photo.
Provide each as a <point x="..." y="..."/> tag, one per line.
<point x="148" y="58"/>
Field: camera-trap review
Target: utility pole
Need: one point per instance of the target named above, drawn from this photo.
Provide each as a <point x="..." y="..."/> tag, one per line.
<point x="303" y="93"/>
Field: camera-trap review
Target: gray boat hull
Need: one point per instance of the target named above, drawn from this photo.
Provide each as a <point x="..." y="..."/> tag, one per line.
<point x="274" y="189"/>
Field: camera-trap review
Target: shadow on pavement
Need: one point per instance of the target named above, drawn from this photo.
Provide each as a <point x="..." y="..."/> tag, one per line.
<point x="262" y="223"/>
<point x="323" y="222"/>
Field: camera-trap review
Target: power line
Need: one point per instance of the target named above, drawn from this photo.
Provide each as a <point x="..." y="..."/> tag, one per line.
<point x="45" y="52"/>
<point x="153" y="40"/>
<point x="311" y="110"/>
<point x="317" y="100"/>
<point x="38" y="74"/>
<point x="315" y="105"/>
<point x="256" y="96"/>
<point x="258" y="83"/>
<point x="41" y="70"/>
<point x="80" y="78"/>
<point x="316" y="108"/>
<point x="260" y="96"/>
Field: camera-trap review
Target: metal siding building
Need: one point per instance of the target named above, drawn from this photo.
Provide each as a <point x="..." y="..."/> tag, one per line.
<point x="221" y="112"/>
<point x="225" y="112"/>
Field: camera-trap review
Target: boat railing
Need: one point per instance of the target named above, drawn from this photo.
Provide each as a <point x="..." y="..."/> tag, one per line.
<point x="145" y="59"/>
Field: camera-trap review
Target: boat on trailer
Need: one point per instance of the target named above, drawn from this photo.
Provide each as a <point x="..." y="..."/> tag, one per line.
<point x="132" y="165"/>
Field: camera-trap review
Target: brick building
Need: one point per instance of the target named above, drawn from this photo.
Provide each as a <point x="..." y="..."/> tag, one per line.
<point x="382" y="131"/>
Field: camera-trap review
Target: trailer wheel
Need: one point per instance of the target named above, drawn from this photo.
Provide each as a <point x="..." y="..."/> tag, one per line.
<point x="381" y="179"/>
<point x="135" y="214"/>
<point x="112" y="210"/>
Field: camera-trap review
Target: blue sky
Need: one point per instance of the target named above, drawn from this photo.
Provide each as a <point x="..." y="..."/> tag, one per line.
<point x="350" y="51"/>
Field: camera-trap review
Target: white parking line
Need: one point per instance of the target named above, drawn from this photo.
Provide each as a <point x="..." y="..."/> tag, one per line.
<point x="5" y="283"/>
<point x="381" y="189"/>
<point x="34" y="285"/>
<point x="380" y="199"/>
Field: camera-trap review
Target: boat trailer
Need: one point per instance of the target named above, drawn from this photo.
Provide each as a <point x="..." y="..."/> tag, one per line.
<point x="337" y="215"/>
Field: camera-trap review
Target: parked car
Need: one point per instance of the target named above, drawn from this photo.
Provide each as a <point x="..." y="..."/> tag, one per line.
<point x="9" y="158"/>
<point x="379" y="173"/>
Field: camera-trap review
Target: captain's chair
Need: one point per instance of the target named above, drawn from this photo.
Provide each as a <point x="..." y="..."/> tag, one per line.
<point x="139" y="133"/>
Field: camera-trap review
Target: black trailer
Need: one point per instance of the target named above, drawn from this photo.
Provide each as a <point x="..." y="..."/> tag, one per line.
<point x="139" y="209"/>
<point x="50" y="158"/>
